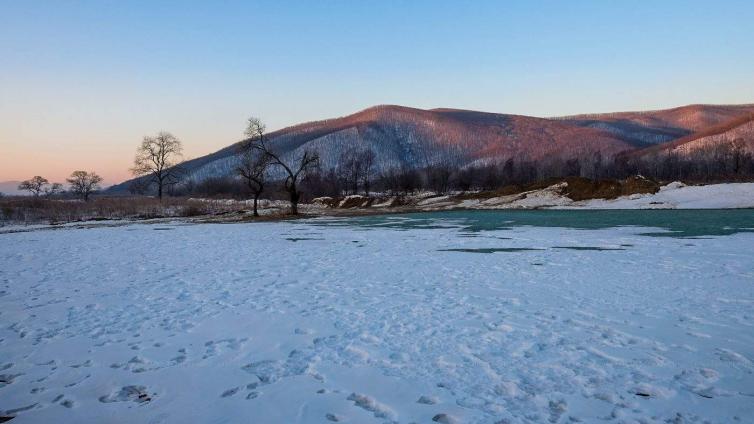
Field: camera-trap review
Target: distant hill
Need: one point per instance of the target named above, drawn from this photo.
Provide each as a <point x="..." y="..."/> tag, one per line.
<point x="661" y="126"/>
<point x="737" y="132"/>
<point x="10" y="188"/>
<point x="416" y="138"/>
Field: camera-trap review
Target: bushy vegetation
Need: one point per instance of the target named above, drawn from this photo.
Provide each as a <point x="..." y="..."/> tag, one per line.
<point x="41" y="210"/>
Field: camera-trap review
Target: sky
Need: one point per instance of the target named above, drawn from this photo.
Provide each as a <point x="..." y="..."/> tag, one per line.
<point x="81" y="83"/>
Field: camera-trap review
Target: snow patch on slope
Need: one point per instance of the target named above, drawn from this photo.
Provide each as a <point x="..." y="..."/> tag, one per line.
<point x="680" y="196"/>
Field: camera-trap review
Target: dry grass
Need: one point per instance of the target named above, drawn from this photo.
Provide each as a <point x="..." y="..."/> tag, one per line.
<point x="38" y="210"/>
<point x="584" y="189"/>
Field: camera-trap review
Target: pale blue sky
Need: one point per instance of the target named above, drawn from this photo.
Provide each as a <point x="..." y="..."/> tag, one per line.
<point x="82" y="82"/>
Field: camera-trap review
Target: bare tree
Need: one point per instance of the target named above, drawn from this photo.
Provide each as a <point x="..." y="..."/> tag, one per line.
<point x="466" y="178"/>
<point x="349" y="170"/>
<point x="367" y="169"/>
<point x="294" y="170"/>
<point x="159" y="157"/>
<point x="438" y="177"/>
<point x="84" y="183"/>
<point x="327" y="183"/>
<point x="252" y="167"/>
<point x="356" y="167"/>
<point x="409" y="180"/>
<point x="35" y="185"/>
<point x="53" y="190"/>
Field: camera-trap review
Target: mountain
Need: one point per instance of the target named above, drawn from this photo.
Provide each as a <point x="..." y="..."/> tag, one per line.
<point x="661" y="126"/>
<point x="416" y="138"/>
<point x="735" y="133"/>
<point x="10" y="188"/>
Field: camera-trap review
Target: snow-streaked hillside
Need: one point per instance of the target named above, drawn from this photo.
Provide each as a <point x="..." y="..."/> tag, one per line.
<point x="741" y="136"/>
<point x="403" y="137"/>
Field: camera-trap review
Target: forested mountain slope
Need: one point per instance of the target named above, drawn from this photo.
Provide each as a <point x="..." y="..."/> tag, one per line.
<point x="409" y="138"/>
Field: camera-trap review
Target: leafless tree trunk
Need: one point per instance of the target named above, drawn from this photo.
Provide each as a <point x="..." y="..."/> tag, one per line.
<point x="438" y="177"/>
<point x="252" y="167"/>
<point x="296" y="170"/>
<point x="356" y="167"/>
<point x="159" y="157"/>
<point x="367" y="164"/>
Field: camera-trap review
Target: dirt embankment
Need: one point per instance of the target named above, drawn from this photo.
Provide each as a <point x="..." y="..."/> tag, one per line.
<point x="584" y="189"/>
<point x="554" y="192"/>
<point x="576" y="188"/>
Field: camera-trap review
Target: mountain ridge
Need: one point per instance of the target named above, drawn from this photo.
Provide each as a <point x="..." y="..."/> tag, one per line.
<point x="410" y="137"/>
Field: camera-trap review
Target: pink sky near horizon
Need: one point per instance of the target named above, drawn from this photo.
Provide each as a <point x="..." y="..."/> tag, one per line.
<point x="108" y="148"/>
<point x="56" y="161"/>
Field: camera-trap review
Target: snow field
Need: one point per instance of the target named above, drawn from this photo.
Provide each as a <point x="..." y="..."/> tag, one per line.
<point x="296" y="322"/>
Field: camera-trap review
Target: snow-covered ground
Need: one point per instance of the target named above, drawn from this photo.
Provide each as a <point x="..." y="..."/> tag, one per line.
<point x="679" y="196"/>
<point x="294" y="322"/>
<point x="675" y="195"/>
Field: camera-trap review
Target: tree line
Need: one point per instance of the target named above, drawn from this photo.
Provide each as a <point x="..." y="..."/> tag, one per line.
<point x="728" y="162"/>
<point x="261" y="170"/>
<point x="158" y="164"/>
<point x="81" y="183"/>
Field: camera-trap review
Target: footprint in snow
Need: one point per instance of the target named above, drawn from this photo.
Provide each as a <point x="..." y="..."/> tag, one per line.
<point x="10" y="413"/>
<point x="178" y="360"/>
<point x="372" y="405"/>
<point x="445" y="419"/>
<point x="6" y="379"/>
<point x="427" y="400"/>
<point x="735" y="358"/>
<point x="214" y="347"/>
<point x="557" y="409"/>
<point x="87" y="363"/>
<point x="230" y="392"/>
<point x="136" y="394"/>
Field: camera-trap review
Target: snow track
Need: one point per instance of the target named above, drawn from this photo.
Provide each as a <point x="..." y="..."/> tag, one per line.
<point x="239" y="323"/>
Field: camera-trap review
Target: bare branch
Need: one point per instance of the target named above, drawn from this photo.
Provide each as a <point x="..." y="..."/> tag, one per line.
<point x="258" y="141"/>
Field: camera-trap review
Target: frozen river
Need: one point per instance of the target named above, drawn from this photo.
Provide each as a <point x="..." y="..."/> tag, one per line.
<point x="457" y="317"/>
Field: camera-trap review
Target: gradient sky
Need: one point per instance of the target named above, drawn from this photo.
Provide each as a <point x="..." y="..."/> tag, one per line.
<point x="82" y="82"/>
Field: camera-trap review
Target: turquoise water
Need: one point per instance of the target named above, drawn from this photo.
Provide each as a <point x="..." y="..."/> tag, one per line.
<point x="655" y="223"/>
